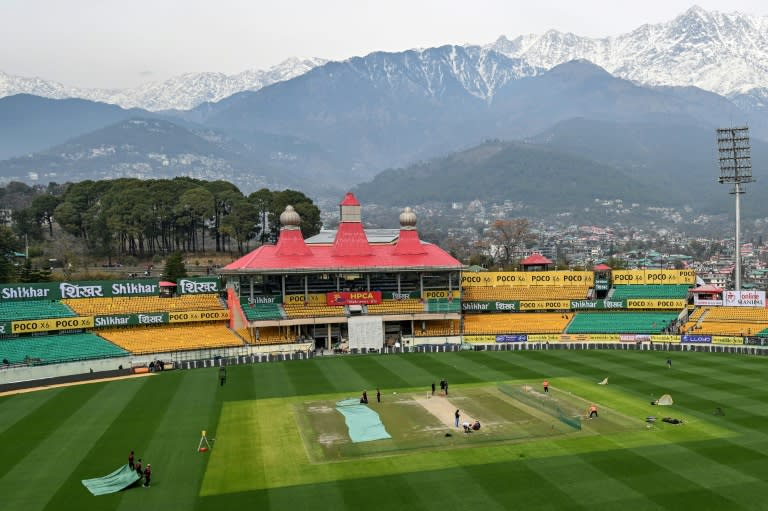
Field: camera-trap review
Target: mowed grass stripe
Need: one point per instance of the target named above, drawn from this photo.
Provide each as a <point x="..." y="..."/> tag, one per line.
<point x="193" y="404"/>
<point x="17" y="407"/>
<point x="585" y="483"/>
<point x="692" y="395"/>
<point x="37" y="426"/>
<point x="130" y="429"/>
<point x="379" y="374"/>
<point x="659" y="477"/>
<point x="50" y="464"/>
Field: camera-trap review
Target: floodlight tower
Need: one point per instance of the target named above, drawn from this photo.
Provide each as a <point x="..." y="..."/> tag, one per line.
<point x="736" y="168"/>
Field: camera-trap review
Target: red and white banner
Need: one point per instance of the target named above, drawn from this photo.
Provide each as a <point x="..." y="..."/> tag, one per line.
<point x="353" y="298"/>
<point x="744" y="298"/>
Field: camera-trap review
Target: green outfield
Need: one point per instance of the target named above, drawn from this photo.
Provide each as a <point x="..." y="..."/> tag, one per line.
<point x="279" y="443"/>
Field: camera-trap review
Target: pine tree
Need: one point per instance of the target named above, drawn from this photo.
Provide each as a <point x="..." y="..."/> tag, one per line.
<point x="174" y="267"/>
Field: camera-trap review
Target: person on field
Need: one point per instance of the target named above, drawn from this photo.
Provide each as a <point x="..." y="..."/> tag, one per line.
<point x="446" y="388"/>
<point x="467" y="427"/>
<point x="130" y="461"/>
<point x="669" y="363"/>
<point x="592" y="411"/>
<point x="433" y="388"/>
<point x="378" y="396"/>
<point x="147" y="475"/>
<point x="476" y="425"/>
<point x="364" y="398"/>
<point x="442" y="385"/>
<point x="457" y="416"/>
<point x="546" y="386"/>
<point x="138" y="469"/>
<point x="222" y="376"/>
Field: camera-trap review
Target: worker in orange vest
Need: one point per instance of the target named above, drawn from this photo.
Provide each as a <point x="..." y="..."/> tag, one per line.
<point x="592" y="411"/>
<point x="546" y="386"/>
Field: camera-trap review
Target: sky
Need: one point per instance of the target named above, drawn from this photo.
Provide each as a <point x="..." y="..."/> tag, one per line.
<point x="121" y="44"/>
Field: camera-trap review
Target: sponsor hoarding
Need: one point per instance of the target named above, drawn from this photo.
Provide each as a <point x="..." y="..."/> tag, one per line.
<point x="102" y="289"/>
<point x="598" y="304"/>
<point x="198" y="285"/>
<point x="665" y="338"/>
<point x="701" y="301"/>
<point x="394" y="295"/>
<point x="149" y="318"/>
<point x="495" y="306"/>
<point x="190" y="316"/>
<point x="316" y="299"/>
<point x="511" y="338"/>
<point x="545" y="305"/>
<point x="528" y="278"/>
<point x="744" y="298"/>
<point x="47" y="325"/>
<point x="724" y="339"/>
<point x="697" y="339"/>
<point x="653" y="277"/>
<point x="259" y="300"/>
<point x="655" y="303"/>
<point x="442" y="294"/>
<point x="353" y="298"/>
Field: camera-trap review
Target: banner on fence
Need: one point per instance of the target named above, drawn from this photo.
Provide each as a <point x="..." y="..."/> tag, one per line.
<point x="511" y="338"/>
<point x="697" y="339"/>
<point x="727" y="339"/>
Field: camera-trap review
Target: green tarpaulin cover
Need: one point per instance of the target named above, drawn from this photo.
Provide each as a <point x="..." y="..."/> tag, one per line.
<point x="116" y="481"/>
<point x="363" y="423"/>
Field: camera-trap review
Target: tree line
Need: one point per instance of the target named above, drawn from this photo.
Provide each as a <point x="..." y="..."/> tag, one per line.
<point x="143" y="218"/>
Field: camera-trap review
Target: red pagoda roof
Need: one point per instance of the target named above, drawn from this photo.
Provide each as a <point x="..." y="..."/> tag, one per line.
<point x="350" y="251"/>
<point x="535" y="258"/>
<point x="266" y="258"/>
<point x="349" y="200"/>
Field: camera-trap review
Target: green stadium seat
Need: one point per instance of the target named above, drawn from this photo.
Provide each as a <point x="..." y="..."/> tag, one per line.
<point x="48" y="349"/>
<point x="616" y="322"/>
<point x="34" y="309"/>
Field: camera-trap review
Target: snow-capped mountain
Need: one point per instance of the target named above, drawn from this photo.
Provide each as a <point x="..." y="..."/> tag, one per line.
<point x="480" y="72"/>
<point x="723" y="53"/>
<point x="182" y="92"/>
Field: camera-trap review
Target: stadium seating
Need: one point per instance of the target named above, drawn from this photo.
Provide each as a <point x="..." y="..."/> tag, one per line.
<point x="34" y="309"/>
<point x="437" y="328"/>
<point x="738" y="321"/>
<point x="526" y="322"/>
<point x="47" y="349"/>
<point x="177" y="337"/>
<point x="136" y="304"/>
<point x="270" y="335"/>
<point x="488" y="293"/>
<point x="620" y="322"/>
<point x="262" y="311"/>
<point x="312" y="311"/>
<point x="668" y="291"/>
<point x="409" y="306"/>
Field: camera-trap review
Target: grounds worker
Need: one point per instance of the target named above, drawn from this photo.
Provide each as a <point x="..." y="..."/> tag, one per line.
<point x="546" y="386"/>
<point x="147" y="475"/>
<point x="592" y="411"/>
